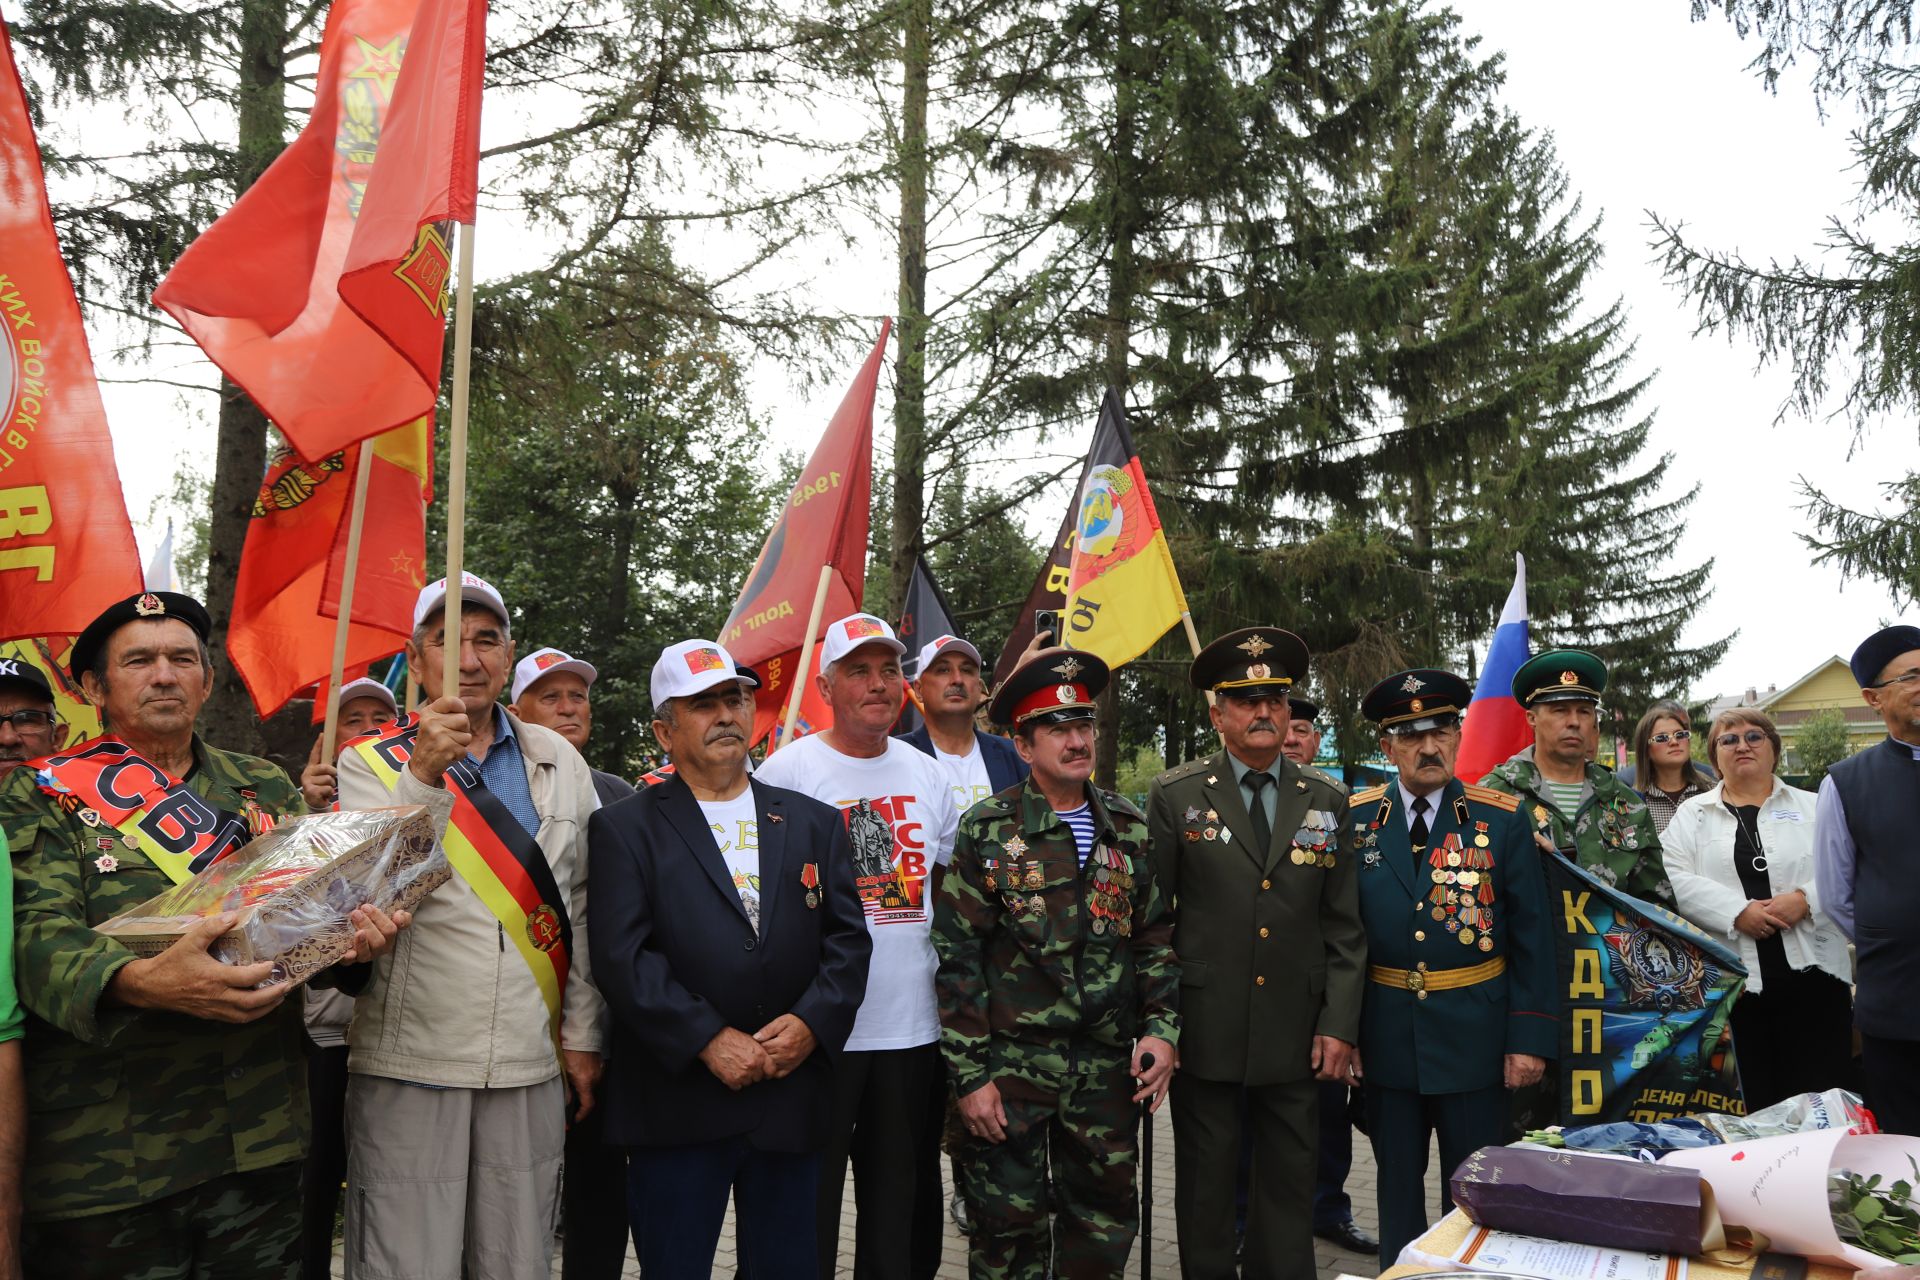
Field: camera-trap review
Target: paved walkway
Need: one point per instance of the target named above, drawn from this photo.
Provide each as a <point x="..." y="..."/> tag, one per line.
<point x="1332" y="1261"/>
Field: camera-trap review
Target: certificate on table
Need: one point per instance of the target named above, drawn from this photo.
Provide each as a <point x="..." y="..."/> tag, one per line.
<point x="1489" y="1250"/>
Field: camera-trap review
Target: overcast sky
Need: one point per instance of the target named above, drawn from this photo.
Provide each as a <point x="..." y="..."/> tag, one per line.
<point x="1650" y="111"/>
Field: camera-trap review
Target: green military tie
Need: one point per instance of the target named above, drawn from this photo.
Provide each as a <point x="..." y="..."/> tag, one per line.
<point x="1258" y="782"/>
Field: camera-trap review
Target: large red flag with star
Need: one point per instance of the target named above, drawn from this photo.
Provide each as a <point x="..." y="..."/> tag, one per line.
<point x="389" y="151"/>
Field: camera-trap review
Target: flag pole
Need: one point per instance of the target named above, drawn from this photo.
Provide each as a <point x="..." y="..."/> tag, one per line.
<point x="457" y="466"/>
<point x="1193" y="639"/>
<point x="330" y="738"/>
<point x="806" y="655"/>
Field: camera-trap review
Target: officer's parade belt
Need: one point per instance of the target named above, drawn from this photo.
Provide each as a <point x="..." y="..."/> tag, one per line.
<point x="498" y="860"/>
<point x="105" y="784"/>
<point x="1421" y="981"/>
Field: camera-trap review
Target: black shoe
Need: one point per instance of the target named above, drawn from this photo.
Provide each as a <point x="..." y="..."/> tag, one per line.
<point x="1349" y="1235"/>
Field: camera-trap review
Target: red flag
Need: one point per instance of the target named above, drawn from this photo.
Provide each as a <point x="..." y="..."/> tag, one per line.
<point x="66" y="546"/>
<point x="288" y="598"/>
<point x="824" y="522"/>
<point x="260" y="289"/>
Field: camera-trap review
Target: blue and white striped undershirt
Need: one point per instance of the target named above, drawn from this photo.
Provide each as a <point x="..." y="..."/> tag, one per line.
<point x="1080" y="822"/>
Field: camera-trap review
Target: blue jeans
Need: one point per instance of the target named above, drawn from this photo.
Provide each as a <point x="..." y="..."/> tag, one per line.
<point x="684" y="1191"/>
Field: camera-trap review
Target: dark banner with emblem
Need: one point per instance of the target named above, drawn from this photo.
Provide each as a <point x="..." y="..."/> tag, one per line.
<point x="924" y="617"/>
<point x="1644" y="1031"/>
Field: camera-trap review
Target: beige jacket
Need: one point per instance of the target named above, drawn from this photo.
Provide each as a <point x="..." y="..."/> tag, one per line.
<point x="453" y="1005"/>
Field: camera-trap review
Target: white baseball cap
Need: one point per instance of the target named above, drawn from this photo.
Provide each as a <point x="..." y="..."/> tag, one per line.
<point x="365" y="687"/>
<point x="476" y="590"/>
<point x="545" y="662"/>
<point x="694" y="666"/>
<point x="941" y="645"/>
<point x="848" y="634"/>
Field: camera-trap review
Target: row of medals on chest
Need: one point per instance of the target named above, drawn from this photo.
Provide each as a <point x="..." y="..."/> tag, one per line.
<point x="1112" y="881"/>
<point x="1462" y="893"/>
<point x="1311" y="845"/>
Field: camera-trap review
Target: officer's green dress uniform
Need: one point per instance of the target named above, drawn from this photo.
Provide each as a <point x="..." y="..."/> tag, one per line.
<point x="1049" y="971"/>
<point x="1271" y="955"/>
<point x="1460" y="963"/>
<point x="1610" y="834"/>
<point x="145" y="1129"/>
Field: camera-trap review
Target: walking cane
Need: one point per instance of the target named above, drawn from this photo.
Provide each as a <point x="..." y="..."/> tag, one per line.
<point x="1146" y="1177"/>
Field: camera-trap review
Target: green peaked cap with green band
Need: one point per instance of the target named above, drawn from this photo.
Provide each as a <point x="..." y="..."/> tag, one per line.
<point x="1560" y="675"/>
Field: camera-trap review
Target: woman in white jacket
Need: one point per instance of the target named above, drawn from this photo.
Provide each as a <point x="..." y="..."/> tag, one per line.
<point x="1740" y="857"/>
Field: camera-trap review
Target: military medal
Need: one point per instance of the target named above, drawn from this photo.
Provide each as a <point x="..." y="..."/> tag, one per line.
<point x="1016" y="847"/>
<point x="105" y="844"/>
<point x="90" y="816"/>
<point x="106" y="864"/>
<point x="1193" y="815"/>
<point x="1037" y="904"/>
<point x="1033" y="879"/>
<point x="1213" y="816"/>
<point x="810" y="879"/>
<point x="129" y="842"/>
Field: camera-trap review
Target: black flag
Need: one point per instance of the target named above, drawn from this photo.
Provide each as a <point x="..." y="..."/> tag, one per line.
<point x="924" y="617"/>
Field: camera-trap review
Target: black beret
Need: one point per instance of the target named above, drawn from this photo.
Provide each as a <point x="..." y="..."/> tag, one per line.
<point x="1880" y="648"/>
<point x="148" y="604"/>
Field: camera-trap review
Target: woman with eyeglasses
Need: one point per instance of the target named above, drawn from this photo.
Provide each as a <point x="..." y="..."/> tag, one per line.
<point x="1663" y="769"/>
<point x="1740" y="856"/>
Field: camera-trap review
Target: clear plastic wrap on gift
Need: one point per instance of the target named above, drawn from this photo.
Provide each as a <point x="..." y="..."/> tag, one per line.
<point x="294" y="887"/>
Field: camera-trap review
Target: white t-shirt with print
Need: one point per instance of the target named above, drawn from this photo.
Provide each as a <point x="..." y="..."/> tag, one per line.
<point x="900" y="820"/>
<point x="967" y="775"/>
<point x="736" y="830"/>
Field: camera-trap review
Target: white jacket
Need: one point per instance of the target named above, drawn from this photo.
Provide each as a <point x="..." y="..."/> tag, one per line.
<point x="1698" y="848"/>
<point x="453" y="1004"/>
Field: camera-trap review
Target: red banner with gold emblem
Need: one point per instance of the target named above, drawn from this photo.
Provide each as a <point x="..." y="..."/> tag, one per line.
<point x="288" y="598"/>
<point x="824" y="522"/>
<point x="66" y="546"/>
<point x="260" y="289"/>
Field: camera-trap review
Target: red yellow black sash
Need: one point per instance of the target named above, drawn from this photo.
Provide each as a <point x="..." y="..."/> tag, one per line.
<point x="496" y="857"/>
<point x="105" y="784"/>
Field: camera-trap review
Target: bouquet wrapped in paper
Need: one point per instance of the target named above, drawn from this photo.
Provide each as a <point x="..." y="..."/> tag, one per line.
<point x="294" y="887"/>
<point x="1588" y="1198"/>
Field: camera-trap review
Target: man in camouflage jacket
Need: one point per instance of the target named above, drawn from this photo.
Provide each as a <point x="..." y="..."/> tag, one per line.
<point x="166" y="1096"/>
<point x="1057" y="978"/>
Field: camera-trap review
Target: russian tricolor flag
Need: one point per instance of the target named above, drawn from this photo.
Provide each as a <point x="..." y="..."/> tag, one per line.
<point x="1496" y="724"/>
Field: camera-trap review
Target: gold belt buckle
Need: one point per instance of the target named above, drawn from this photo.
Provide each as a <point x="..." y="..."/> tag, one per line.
<point x="1416" y="980"/>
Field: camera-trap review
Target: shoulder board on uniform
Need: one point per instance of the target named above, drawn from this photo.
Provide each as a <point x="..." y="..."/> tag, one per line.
<point x="1180" y="771"/>
<point x="1366" y="795"/>
<point x="1117" y="803"/>
<point x="1498" y="799"/>
<point x="1321" y="775"/>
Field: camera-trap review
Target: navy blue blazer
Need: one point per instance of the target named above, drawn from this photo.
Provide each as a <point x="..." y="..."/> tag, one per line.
<point x="1005" y="768"/>
<point x="677" y="960"/>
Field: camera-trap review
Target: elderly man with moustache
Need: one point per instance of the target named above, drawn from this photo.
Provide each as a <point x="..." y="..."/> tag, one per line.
<point x="166" y="1094"/>
<point x="1867" y="870"/>
<point x="1255" y="854"/>
<point x="733" y="952"/>
<point x="456" y="1106"/>
<point x="1460" y="1003"/>
<point x="900" y="817"/>
<point x="555" y="689"/>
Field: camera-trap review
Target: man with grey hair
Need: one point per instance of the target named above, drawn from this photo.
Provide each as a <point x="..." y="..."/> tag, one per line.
<point x="456" y="1105"/>
<point x="900" y="819"/>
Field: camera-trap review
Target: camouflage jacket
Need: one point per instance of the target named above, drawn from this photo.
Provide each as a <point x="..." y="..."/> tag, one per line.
<point x="126" y="1106"/>
<point x="1612" y="836"/>
<point x="1046" y="966"/>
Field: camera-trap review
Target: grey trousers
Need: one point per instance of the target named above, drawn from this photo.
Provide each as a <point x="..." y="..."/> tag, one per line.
<point x="446" y="1182"/>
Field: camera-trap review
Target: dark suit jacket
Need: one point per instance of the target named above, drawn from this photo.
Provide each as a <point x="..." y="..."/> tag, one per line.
<point x="1005" y="768"/>
<point x="677" y="960"/>
<point x="1271" y="949"/>
<point x="1457" y="1040"/>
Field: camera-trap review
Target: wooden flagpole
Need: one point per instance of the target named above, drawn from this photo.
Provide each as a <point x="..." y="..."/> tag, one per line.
<point x="457" y="466"/>
<point x="330" y="737"/>
<point x="805" y="673"/>
<point x="1193" y="639"/>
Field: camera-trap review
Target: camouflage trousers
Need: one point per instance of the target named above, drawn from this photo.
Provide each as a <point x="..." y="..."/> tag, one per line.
<point x="1061" y="1187"/>
<point x="244" y="1226"/>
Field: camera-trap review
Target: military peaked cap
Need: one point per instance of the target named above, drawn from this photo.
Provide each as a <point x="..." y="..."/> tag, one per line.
<point x="1416" y="701"/>
<point x="1052" y="687"/>
<point x="1560" y="675"/>
<point x="1253" y="662"/>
